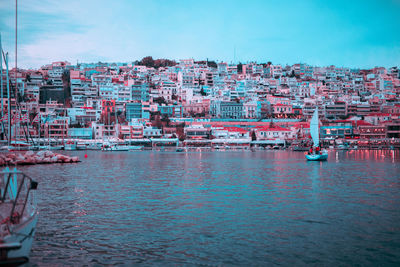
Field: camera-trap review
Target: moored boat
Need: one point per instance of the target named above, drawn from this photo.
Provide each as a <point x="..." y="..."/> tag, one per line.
<point x="70" y="145"/>
<point x="18" y="215"/>
<point x="114" y="147"/>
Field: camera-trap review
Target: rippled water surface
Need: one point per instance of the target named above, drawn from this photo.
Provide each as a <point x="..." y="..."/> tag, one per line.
<point x="219" y="208"/>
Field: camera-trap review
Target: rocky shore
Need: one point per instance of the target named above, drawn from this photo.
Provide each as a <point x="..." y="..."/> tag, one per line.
<point x="30" y="158"/>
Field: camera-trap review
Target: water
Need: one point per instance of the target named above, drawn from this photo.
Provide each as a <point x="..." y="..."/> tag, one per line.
<point x="219" y="208"/>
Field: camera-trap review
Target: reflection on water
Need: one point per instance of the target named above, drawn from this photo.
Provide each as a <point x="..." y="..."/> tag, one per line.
<point x="219" y="208"/>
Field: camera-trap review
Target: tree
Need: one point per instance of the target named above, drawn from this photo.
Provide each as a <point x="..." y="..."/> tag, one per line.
<point x="165" y="119"/>
<point x="202" y="92"/>
<point x="157" y="122"/>
<point x="163" y="63"/>
<point x="271" y="124"/>
<point x="212" y="64"/>
<point x="253" y="136"/>
<point x="240" y="68"/>
<point x="147" y="61"/>
<point x="159" y="100"/>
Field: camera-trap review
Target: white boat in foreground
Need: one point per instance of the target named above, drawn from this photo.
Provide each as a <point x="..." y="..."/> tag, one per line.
<point x="18" y="216"/>
<point x="316" y="154"/>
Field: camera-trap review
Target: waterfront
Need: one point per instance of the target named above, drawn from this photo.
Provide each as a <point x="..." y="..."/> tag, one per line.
<point x="219" y="208"/>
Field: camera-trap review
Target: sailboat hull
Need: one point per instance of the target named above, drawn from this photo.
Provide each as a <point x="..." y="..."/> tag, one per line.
<point x="317" y="157"/>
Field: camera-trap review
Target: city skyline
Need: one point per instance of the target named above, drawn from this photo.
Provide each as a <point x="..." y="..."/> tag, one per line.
<point x="357" y="34"/>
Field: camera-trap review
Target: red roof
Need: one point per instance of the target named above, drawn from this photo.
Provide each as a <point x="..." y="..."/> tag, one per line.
<point x="378" y="114"/>
<point x="236" y="129"/>
<point x="273" y="128"/>
<point x="362" y="123"/>
<point x="302" y="124"/>
<point x="279" y="104"/>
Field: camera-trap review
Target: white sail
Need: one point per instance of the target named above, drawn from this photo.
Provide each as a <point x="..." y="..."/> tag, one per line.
<point x="314" y="128"/>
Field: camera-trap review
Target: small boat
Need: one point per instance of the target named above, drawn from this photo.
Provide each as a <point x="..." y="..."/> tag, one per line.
<point x="21" y="146"/>
<point x="94" y="146"/>
<point x="70" y="145"/>
<point x="18" y="215"/>
<point x="180" y="149"/>
<point x="55" y="147"/>
<point x="316" y="155"/>
<point x="114" y="147"/>
<point x="342" y="147"/>
<point x="135" y="147"/>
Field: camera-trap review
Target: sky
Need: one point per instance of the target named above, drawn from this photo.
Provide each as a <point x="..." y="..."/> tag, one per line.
<point x="356" y="34"/>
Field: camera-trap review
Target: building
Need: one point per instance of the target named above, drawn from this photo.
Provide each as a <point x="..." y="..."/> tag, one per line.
<point x="80" y="133"/>
<point x="57" y="128"/>
<point x="133" y="110"/>
<point x="393" y="129"/>
<point x="371" y="131"/>
<point x="273" y="132"/>
<point x="226" y="109"/>
<point x="338" y="110"/>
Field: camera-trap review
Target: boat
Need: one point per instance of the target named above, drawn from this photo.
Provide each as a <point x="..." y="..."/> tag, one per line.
<point x="94" y="146"/>
<point x="132" y="148"/>
<point x="70" y="145"/>
<point x="299" y="148"/>
<point x="276" y="147"/>
<point x="342" y="147"/>
<point x="51" y="147"/>
<point x="316" y="154"/>
<point x="114" y="147"/>
<point x="18" y="216"/>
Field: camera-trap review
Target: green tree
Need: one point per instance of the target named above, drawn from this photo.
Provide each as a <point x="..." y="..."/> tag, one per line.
<point x="253" y="136"/>
<point x="147" y="61"/>
<point x="212" y="64"/>
<point x="240" y="68"/>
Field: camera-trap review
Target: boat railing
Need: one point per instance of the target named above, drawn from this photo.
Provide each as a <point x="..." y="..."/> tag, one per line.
<point x="16" y="198"/>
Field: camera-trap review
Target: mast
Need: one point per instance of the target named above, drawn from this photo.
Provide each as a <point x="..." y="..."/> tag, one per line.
<point x="9" y="102"/>
<point x="15" y="73"/>
<point x="39" y="127"/>
<point x="314" y="128"/>
<point x="1" y="84"/>
<point x="16" y="50"/>
<point x="1" y="77"/>
<point x="116" y="120"/>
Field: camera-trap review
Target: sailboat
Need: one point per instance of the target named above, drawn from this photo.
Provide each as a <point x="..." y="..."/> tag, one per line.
<point x="316" y="155"/>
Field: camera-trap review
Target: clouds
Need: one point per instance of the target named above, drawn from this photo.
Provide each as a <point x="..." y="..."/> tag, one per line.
<point x="315" y="32"/>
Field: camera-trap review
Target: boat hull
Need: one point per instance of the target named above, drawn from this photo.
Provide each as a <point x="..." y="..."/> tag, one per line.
<point x="24" y="234"/>
<point x="317" y="157"/>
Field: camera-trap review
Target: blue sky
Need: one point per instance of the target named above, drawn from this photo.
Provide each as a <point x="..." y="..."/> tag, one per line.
<point x="344" y="33"/>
